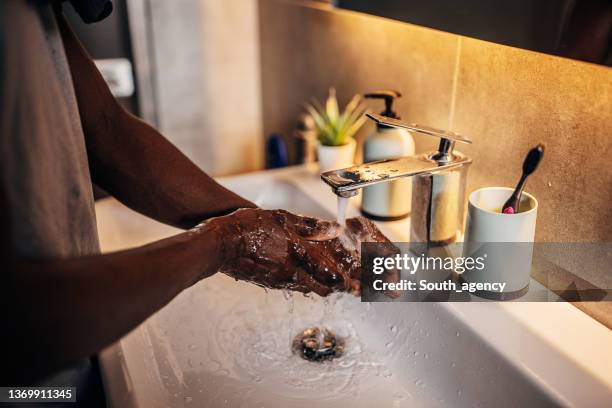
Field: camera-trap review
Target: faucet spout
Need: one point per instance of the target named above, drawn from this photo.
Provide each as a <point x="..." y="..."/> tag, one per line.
<point x="346" y="182"/>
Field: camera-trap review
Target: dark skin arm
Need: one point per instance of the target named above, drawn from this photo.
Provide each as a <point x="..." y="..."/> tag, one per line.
<point x="57" y="311"/>
<point x="132" y="161"/>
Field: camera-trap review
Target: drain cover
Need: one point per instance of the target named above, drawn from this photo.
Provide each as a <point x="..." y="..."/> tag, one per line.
<point x="318" y="344"/>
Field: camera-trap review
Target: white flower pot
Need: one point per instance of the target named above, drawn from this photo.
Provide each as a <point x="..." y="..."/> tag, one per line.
<point x="336" y="157"/>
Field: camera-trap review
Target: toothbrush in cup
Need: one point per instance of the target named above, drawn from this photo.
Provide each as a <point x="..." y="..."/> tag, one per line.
<point x="529" y="166"/>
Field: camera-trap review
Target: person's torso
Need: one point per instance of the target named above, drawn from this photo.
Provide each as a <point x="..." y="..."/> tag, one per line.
<point x="44" y="174"/>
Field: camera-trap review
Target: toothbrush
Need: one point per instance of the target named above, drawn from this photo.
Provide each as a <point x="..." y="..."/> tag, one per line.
<point x="529" y="166"/>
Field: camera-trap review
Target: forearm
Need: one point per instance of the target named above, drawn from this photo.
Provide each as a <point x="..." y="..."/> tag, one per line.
<point x="134" y="162"/>
<point x="57" y="312"/>
<point x="141" y="168"/>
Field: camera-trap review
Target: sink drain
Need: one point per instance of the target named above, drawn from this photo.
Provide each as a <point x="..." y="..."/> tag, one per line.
<point x="318" y="344"/>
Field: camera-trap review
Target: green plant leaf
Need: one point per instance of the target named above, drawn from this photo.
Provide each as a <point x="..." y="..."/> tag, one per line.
<point x="354" y="103"/>
<point x="318" y="119"/>
<point x="350" y="114"/>
<point x="357" y="113"/>
<point x="317" y="105"/>
<point x="356" y="126"/>
<point x="331" y="106"/>
<point x="323" y="128"/>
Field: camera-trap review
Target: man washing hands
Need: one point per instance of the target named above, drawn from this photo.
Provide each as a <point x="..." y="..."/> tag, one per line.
<point x="61" y="131"/>
<point x="280" y="250"/>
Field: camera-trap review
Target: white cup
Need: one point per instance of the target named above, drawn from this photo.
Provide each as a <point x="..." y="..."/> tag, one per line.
<point x="508" y="261"/>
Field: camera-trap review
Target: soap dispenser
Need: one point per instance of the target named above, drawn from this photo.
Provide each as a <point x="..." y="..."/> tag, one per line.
<point x="387" y="201"/>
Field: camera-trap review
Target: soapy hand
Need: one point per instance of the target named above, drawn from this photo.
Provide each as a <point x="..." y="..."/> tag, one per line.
<point x="277" y="249"/>
<point x="360" y="230"/>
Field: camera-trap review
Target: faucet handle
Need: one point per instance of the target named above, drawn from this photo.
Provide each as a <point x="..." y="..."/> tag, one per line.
<point x="426" y="130"/>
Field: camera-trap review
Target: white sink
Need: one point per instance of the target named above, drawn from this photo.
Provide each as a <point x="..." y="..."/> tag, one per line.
<point x="224" y="343"/>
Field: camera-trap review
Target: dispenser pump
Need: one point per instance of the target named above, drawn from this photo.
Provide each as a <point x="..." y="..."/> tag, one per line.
<point x="389" y="97"/>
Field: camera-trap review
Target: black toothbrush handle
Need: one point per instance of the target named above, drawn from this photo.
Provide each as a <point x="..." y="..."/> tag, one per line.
<point x="515" y="198"/>
<point x="529" y="166"/>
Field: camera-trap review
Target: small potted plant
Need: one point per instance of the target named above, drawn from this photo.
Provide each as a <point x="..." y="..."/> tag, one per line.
<point x="336" y="148"/>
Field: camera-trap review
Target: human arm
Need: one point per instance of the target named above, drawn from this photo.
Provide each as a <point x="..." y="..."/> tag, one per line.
<point x="57" y="311"/>
<point x="132" y="161"/>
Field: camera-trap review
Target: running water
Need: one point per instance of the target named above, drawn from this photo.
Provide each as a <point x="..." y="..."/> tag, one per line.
<point x="341" y="217"/>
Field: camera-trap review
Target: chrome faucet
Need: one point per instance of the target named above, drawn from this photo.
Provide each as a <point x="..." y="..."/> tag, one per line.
<point x="438" y="190"/>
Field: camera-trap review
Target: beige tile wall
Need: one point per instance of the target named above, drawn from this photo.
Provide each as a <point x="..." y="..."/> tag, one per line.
<point x="507" y="100"/>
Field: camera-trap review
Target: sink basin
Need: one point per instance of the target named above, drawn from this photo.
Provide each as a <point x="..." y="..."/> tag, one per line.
<point x="224" y="343"/>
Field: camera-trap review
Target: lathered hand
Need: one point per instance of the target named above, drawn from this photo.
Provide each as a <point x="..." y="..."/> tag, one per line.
<point x="277" y="249"/>
<point x="346" y="250"/>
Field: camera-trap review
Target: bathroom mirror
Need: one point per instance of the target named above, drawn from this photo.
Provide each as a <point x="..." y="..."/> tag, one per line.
<point x="578" y="29"/>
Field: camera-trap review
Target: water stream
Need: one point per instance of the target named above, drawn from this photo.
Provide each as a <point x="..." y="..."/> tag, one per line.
<point x="341" y="217"/>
